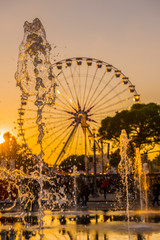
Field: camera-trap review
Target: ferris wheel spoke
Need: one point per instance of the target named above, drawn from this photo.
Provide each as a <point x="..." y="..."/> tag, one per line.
<point x="34" y="110"/>
<point x="91" y="87"/>
<point x="59" y="121"/>
<point x="56" y="125"/>
<point x="60" y="83"/>
<point x="79" y="78"/>
<point x="62" y="151"/>
<point x="31" y="127"/>
<point x="56" y="128"/>
<point x="59" y="113"/>
<point x="32" y="136"/>
<point x="107" y="94"/>
<point x="72" y="141"/>
<point x="98" y="117"/>
<point x="94" y="125"/>
<point x="69" y="101"/>
<point x="33" y="146"/>
<point x="56" y="119"/>
<point x="112" y="98"/>
<point x="74" y="83"/>
<point x="85" y="87"/>
<point x="28" y="119"/>
<point x="30" y="110"/>
<point x="102" y="90"/>
<point x="102" y="110"/>
<point x="61" y="132"/>
<point x="106" y="104"/>
<point x="76" y="144"/>
<point x="63" y="107"/>
<point x="65" y="78"/>
<point x="64" y="122"/>
<point x="97" y="87"/>
<point x="60" y="140"/>
<point x="111" y="105"/>
<point x="68" y="149"/>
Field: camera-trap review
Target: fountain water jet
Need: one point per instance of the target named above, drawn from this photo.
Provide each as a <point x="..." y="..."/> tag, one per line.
<point x="125" y="168"/>
<point x="34" y="71"/>
<point x="138" y="173"/>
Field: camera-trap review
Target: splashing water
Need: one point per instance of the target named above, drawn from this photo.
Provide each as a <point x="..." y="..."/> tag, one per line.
<point x="125" y="168"/>
<point x="141" y="182"/>
<point x="138" y="173"/>
<point x="36" y="80"/>
<point x="75" y="174"/>
<point x="34" y="77"/>
<point x="34" y="71"/>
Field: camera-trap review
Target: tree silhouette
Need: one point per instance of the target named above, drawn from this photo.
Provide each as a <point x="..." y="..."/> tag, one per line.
<point x="141" y="123"/>
<point x="9" y="148"/>
<point x="74" y="160"/>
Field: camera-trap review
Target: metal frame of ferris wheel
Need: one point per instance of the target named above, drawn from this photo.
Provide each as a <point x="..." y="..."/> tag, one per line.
<point x="79" y="109"/>
<point x="81" y="116"/>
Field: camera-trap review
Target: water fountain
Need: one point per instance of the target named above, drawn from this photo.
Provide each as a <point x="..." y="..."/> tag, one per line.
<point x="125" y="168"/>
<point x="43" y="209"/>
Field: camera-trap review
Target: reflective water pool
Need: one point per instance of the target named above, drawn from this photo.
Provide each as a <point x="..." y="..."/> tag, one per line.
<point x="80" y="226"/>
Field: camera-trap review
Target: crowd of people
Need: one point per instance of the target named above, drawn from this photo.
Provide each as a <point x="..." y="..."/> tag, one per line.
<point x="65" y="190"/>
<point x="113" y="184"/>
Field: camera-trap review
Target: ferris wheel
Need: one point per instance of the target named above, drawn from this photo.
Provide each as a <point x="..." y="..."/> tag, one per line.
<point x="87" y="91"/>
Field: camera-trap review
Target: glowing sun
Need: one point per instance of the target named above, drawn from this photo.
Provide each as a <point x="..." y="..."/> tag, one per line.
<point x="1" y="138"/>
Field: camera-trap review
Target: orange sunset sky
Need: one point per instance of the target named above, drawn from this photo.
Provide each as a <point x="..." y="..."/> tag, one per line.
<point x="124" y="33"/>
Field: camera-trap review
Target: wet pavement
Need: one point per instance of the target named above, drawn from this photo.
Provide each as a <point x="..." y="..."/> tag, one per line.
<point x="112" y="202"/>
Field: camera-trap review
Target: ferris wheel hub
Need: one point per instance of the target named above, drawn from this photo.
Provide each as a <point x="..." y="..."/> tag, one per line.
<point x="82" y="118"/>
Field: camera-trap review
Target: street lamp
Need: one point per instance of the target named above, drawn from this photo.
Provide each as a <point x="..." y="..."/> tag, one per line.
<point x="82" y="118"/>
<point x="93" y="137"/>
<point x="102" y="155"/>
<point x="102" y="142"/>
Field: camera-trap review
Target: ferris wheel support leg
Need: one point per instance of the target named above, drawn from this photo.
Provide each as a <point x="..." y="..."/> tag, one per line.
<point x="85" y="158"/>
<point x="62" y="151"/>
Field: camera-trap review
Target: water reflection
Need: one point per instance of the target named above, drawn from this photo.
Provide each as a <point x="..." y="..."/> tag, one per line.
<point x="80" y="227"/>
<point x="140" y="237"/>
<point x="74" y="234"/>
